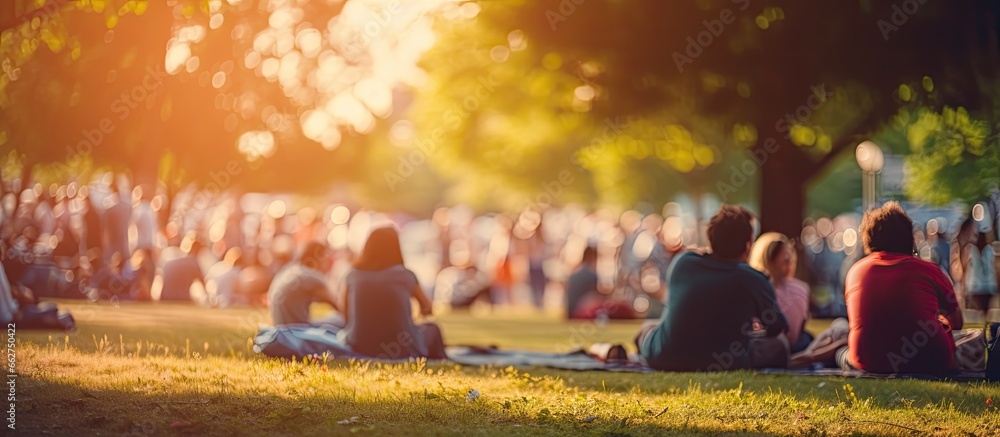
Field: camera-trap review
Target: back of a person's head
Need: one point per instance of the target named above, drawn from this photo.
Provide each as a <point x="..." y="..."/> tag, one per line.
<point x="381" y="251"/>
<point x="765" y="249"/>
<point x="730" y="230"/>
<point x="887" y="229"/>
<point x="314" y="255"/>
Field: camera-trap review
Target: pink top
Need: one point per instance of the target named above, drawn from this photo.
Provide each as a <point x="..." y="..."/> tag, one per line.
<point x="793" y="299"/>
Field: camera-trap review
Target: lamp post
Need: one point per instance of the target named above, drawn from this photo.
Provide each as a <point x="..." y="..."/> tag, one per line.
<point x="871" y="160"/>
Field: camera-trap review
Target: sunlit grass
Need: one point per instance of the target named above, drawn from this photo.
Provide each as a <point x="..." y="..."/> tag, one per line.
<point x="168" y="375"/>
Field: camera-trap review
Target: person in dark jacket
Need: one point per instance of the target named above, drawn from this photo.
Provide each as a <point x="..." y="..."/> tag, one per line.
<point x="721" y="314"/>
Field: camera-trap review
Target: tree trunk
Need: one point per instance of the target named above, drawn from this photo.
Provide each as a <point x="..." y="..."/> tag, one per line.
<point x="782" y="191"/>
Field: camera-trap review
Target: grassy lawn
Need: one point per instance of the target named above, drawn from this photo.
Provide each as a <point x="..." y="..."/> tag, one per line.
<point x="171" y="369"/>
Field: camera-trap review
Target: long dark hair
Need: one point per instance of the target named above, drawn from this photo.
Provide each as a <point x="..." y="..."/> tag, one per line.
<point x="381" y="250"/>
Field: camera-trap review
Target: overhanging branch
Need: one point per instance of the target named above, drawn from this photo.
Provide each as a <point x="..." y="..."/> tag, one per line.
<point x="9" y="18"/>
<point x="868" y="123"/>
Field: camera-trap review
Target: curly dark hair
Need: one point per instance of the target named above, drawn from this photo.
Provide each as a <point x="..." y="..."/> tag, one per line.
<point x="730" y="230"/>
<point x="887" y="229"/>
<point x="313" y="254"/>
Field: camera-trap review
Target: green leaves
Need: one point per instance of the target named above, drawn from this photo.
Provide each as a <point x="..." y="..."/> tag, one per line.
<point x="955" y="156"/>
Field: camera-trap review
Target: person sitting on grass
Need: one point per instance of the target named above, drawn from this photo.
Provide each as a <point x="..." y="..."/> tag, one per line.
<point x="901" y="309"/>
<point x="773" y="254"/>
<point x="299" y="284"/>
<point x="582" y="284"/>
<point x="180" y="274"/>
<point x="8" y="305"/>
<point x="584" y="299"/>
<point x="377" y="304"/>
<point x="721" y="314"/>
<point x="461" y="284"/>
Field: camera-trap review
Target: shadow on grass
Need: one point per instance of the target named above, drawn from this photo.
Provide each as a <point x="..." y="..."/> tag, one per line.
<point x="67" y="409"/>
<point x="965" y="397"/>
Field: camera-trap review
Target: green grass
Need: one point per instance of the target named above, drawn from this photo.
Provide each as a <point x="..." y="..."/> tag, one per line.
<point x="172" y="370"/>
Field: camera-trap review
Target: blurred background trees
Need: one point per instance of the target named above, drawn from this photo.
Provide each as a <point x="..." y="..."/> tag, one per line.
<point x="708" y="83"/>
<point x="504" y="105"/>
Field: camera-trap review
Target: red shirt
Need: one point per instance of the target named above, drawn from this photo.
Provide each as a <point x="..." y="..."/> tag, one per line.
<point x="893" y="303"/>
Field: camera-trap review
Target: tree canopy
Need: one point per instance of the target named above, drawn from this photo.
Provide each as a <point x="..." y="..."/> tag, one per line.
<point x="717" y="94"/>
<point x="504" y="104"/>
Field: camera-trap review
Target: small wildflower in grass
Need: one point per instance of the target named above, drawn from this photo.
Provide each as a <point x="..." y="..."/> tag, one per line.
<point x="472" y="395"/>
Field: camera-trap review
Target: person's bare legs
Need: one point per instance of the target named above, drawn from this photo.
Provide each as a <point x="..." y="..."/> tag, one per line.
<point x="824" y="348"/>
<point x="824" y="353"/>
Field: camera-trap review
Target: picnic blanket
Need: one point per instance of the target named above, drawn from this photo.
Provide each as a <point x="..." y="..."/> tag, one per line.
<point x="582" y="360"/>
<point x="957" y="376"/>
<point x="575" y="360"/>
<point x="289" y="341"/>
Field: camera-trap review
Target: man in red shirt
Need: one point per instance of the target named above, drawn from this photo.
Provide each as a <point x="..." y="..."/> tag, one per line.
<point x="901" y="309"/>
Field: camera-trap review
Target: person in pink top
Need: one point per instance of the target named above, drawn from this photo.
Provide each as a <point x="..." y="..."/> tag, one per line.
<point x="772" y="254"/>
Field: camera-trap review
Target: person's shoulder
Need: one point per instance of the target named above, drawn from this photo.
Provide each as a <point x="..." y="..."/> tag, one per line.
<point x="284" y="272"/>
<point x="923" y="265"/>
<point x="860" y="265"/>
<point x="753" y="273"/>
<point x="932" y="269"/>
<point x="798" y="285"/>
<point x="408" y="273"/>
<point x="691" y="255"/>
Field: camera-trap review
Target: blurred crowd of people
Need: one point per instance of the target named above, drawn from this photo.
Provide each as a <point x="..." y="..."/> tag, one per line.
<point x="115" y="240"/>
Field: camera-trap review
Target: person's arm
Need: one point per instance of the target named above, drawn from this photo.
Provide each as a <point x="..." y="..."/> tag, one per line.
<point x="426" y="308"/>
<point x="345" y="301"/>
<point x="325" y="295"/>
<point x="336" y="296"/>
<point x="948" y="301"/>
<point x="769" y="312"/>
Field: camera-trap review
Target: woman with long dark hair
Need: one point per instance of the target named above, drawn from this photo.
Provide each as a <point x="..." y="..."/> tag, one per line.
<point x="377" y="302"/>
